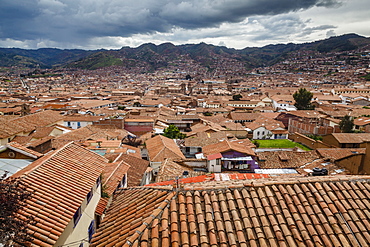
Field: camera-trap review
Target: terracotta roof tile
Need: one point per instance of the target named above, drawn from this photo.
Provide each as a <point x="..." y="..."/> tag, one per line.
<point x="26" y="151"/>
<point x="225" y="146"/>
<point x="59" y="182"/>
<point x="161" y="148"/>
<point x="326" y="211"/>
<point x="29" y="123"/>
<point x="137" y="169"/>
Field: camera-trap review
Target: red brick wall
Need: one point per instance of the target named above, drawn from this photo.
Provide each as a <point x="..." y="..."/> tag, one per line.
<point x="309" y="129"/>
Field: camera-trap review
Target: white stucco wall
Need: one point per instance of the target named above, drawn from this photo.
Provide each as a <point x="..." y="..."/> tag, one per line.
<point x="80" y="231"/>
<point x="262" y="133"/>
<point x="214" y="165"/>
<point x="74" y="125"/>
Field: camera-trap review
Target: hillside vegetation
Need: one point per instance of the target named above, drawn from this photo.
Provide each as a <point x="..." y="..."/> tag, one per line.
<point x="151" y="57"/>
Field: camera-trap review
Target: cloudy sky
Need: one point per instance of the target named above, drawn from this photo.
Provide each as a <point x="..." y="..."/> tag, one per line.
<point x="111" y="24"/>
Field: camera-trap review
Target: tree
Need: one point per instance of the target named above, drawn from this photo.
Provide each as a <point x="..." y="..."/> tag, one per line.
<point x="256" y="143"/>
<point x="303" y="99"/>
<point x="13" y="196"/>
<point x="173" y="132"/>
<point x="346" y="124"/>
<point x="237" y="97"/>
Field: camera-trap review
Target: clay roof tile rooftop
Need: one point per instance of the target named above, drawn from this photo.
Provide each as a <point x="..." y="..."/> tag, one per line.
<point x="306" y="211"/>
<point x="59" y="181"/>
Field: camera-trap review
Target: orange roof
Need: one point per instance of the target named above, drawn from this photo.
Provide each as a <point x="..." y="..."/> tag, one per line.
<point x="161" y="148"/>
<point x="112" y="176"/>
<point x="59" y="182"/>
<point x="22" y="149"/>
<point x="214" y="156"/>
<point x="315" y="211"/>
<point x="28" y="123"/>
<point x="212" y="177"/>
<point x="138" y="120"/>
<point x="225" y="146"/>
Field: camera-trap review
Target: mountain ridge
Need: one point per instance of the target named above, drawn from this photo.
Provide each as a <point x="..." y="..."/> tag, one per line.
<point x="152" y="57"/>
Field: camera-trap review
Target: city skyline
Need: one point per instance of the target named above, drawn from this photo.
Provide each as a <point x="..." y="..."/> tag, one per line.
<point x="235" y="24"/>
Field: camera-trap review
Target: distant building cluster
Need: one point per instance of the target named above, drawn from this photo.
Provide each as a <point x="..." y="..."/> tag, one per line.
<point x="94" y="150"/>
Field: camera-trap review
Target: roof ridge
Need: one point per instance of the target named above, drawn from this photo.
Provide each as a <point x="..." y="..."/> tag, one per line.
<point x="115" y="169"/>
<point x="262" y="182"/>
<point x="164" y="146"/>
<point x="46" y="158"/>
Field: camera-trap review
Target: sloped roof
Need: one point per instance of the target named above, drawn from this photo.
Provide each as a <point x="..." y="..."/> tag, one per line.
<point x="308" y="211"/>
<point x="225" y="146"/>
<point x="244" y="116"/>
<point x="28" y="123"/>
<point x="211" y="177"/>
<point x="89" y="132"/>
<point x="204" y="127"/>
<point x="268" y="123"/>
<point x="202" y="139"/>
<point x="140" y="207"/>
<point x="339" y="153"/>
<point x="306" y="114"/>
<point x="59" y="182"/>
<point x="24" y="150"/>
<point x="362" y="121"/>
<point x="351" y="137"/>
<point x="41" y="132"/>
<point x="112" y="176"/>
<point x="161" y="148"/>
<point x="137" y="169"/>
<point x="286" y="159"/>
<point x="170" y="170"/>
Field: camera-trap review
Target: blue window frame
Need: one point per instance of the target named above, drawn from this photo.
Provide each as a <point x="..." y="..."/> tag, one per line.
<point x="91" y="229"/>
<point x="77" y="216"/>
<point x="89" y="195"/>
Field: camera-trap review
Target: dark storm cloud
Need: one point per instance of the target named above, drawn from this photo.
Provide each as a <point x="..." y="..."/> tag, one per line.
<point x="15" y="16"/>
<point x="78" y="20"/>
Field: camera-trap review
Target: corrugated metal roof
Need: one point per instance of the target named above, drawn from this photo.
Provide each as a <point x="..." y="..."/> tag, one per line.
<point x="13" y="165"/>
<point x="275" y="171"/>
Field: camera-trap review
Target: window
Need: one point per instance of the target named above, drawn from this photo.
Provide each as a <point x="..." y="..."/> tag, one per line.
<point x="91" y="229"/>
<point x="68" y="124"/>
<point x="78" y="124"/>
<point x="89" y="195"/>
<point x="98" y="181"/>
<point x="77" y="216"/>
<point x="123" y="181"/>
<point x="187" y="149"/>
